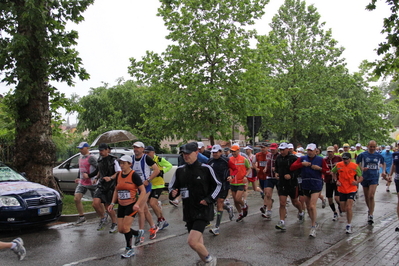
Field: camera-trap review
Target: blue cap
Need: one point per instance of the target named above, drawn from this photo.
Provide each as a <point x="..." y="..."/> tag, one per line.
<point x="82" y="145"/>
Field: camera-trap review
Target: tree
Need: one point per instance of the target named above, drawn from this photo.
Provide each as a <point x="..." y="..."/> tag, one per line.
<point x="389" y="64"/>
<point x="35" y="49"/>
<point x="321" y="101"/>
<point x="203" y="83"/>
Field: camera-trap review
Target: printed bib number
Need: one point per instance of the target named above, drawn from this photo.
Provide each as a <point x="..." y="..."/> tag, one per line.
<point x="124" y="194"/>
<point x="184" y="193"/>
<point x="372" y="166"/>
<point x="262" y="164"/>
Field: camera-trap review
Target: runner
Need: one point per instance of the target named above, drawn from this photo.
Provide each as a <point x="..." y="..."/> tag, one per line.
<point x="387" y="154"/>
<point x="395" y="173"/>
<point x="347" y="175"/>
<point x="198" y="187"/>
<point x="158" y="185"/>
<point x="271" y="181"/>
<point x="147" y="169"/>
<point x="222" y="167"/>
<point x="331" y="186"/>
<point x="287" y="184"/>
<point x="370" y="162"/>
<point x="312" y="167"/>
<point x="252" y="174"/>
<point x="260" y="164"/>
<point x="126" y="191"/>
<point x="237" y="181"/>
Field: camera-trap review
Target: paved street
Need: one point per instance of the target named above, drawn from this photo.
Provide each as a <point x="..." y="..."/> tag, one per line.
<point x="251" y="242"/>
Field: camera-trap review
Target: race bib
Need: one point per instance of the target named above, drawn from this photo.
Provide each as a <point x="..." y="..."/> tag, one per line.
<point x="184" y="193"/>
<point x="262" y="164"/>
<point x="372" y="166"/>
<point x="124" y="194"/>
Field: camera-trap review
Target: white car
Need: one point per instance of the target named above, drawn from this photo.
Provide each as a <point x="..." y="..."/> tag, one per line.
<point x="67" y="171"/>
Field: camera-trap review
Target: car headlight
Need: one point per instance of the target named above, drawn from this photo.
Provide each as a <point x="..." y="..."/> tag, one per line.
<point x="6" y="201"/>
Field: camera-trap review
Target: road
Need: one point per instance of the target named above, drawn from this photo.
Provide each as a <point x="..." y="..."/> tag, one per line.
<point x="251" y="242"/>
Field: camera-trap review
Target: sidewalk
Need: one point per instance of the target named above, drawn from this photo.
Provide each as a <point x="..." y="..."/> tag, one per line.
<point x="373" y="245"/>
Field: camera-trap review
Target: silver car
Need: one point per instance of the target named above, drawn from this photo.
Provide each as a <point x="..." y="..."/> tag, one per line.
<point x="67" y="171"/>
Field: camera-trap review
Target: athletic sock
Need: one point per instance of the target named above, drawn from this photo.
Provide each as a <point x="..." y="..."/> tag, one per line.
<point x="128" y="238"/>
<point x="218" y="218"/>
<point x="332" y="206"/>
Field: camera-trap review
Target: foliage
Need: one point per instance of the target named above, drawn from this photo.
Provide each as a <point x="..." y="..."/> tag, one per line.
<point x="323" y="103"/>
<point x="389" y="64"/>
<point x="69" y="206"/>
<point x="206" y="81"/>
<point x="35" y="49"/>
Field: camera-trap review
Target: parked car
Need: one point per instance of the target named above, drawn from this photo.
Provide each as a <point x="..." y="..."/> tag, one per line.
<point x="67" y="171"/>
<point x="24" y="203"/>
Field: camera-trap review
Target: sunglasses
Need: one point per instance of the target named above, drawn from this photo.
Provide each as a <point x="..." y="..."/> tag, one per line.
<point x="346" y="158"/>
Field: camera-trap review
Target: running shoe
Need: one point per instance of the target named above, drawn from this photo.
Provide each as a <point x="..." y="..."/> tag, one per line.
<point x="19" y="248"/>
<point x="267" y="215"/>
<point x="153" y="232"/>
<point x="341" y="214"/>
<point x="81" y="220"/>
<point x="114" y="228"/>
<point x="102" y="223"/>
<point x="231" y="213"/>
<point x="245" y="210"/>
<point x="335" y="217"/>
<point x="263" y="209"/>
<point x="370" y="220"/>
<point x="162" y="224"/>
<point x="349" y="229"/>
<point x="174" y="203"/>
<point x="214" y="231"/>
<point x="301" y="217"/>
<point x="137" y="239"/>
<point x="312" y="232"/>
<point x="387" y="189"/>
<point x="280" y="225"/>
<point x="323" y="203"/>
<point x="129" y="252"/>
<point x="211" y="262"/>
<point x="240" y="217"/>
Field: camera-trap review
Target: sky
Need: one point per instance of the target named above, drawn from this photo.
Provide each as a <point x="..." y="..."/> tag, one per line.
<point x="114" y="31"/>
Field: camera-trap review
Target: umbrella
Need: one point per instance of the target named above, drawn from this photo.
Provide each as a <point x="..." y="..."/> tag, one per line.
<point x="113" y="136"/>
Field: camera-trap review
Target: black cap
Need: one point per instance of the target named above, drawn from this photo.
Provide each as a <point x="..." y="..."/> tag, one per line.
<point x="190" y="147"/>
<point x="226" y="149"/>
<point x="149" y="148"/>
<point x="346" y="155"/>
<point x="103" y="146"/>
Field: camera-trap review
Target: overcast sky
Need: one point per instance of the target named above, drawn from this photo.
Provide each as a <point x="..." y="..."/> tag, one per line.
<point x="114" y="31"/>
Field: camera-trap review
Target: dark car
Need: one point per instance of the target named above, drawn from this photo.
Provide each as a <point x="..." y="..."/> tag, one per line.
<point x="24" y="203"/>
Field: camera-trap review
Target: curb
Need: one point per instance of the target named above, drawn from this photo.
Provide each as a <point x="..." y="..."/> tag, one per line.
<point x="73" y="217"/>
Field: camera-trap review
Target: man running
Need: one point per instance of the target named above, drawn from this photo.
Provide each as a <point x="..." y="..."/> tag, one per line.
<point x="312" y="167"/>
<point x="271" y="181"/>
<point x="87" y="166"/>
<point x="331" y="186"/>
<point x="198" y="187"/>
<point x="347" y="175"/>
<point x="370" y="162"/>
<point x="222" y="167"/>
<point x="287" y="184"/>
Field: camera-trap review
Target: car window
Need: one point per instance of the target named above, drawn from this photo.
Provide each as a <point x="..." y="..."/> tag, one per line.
<point x="172" y="160"/>
<point x="7" y="174"/>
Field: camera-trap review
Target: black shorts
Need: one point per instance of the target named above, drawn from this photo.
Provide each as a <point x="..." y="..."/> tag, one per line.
<point x="331" y="189"/>
<point x="223" y="194"/>
<point x="397" y="185"/>
<point x="104" y="196"/>
<point x="237" y="188"/>
<point x="156" y="193"/>
<point x="308" y="193"/>
<point x="345" y="197"/>
<point x="293" y="192"/>
<point x="126" y="211"/>
<point x="197" y="225"/>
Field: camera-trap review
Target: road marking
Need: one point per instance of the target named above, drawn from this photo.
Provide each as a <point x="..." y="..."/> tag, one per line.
<point x="80" y="261"/>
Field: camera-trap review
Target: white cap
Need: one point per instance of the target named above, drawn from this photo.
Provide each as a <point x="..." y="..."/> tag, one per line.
<point x="200" y="145"/>
<point x="341" y="149"/>
<point x="299" y="149"/>
<point x="388" y="148"/>
<point x="358" y="145"/>
<point x="126" y="158"/>
<point x="311" y="146"/>
<point x="248" y="148"/>
<point x="283" y="146"/>
<point x="290" y="146"/>
<point x="138" y="144"/>
<point x="216" y="148"/>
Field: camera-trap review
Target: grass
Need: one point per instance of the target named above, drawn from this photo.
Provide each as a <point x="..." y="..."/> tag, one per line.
<point x="70" y="207"/>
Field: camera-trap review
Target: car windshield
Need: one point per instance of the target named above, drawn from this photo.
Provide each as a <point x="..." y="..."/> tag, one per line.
<point x="7" y="174"/>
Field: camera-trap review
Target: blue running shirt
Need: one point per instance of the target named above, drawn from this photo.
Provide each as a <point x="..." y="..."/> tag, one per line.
<point x="372" y="161"/>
